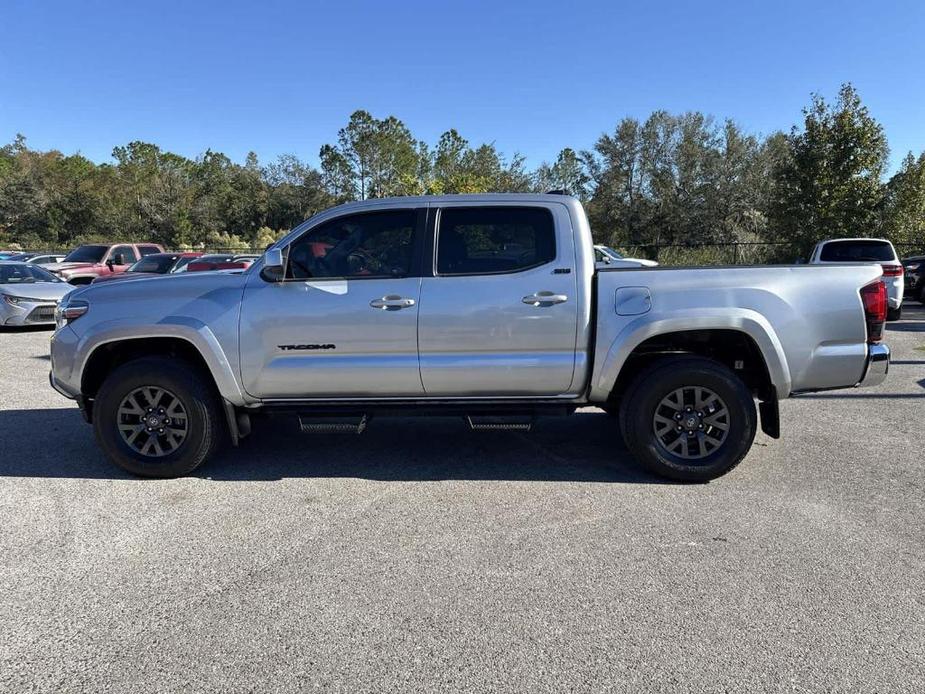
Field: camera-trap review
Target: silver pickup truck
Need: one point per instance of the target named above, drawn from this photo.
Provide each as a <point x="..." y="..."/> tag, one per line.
<point x="487" y="307"/>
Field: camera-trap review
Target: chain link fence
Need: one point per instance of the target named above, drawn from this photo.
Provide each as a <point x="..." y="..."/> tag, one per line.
<point x="743" y="253"/>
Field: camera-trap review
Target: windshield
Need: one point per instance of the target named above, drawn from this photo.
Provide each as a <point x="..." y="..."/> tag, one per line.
<point x="21" y="273"/>
<point x="86" y="254"/>
<point x="160" y="264"/>
<point x="857" y="251"/>
<point x="601" y="253"/>
<point x="183" y="262"/>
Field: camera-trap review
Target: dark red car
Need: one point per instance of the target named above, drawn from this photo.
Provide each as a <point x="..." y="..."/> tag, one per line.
<point x="222" y="261"/>
<point x="155" y="264"/>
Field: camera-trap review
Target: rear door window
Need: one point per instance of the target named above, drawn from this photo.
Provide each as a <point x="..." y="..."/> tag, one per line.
<point x="857" y="252"/>
<point x="148" y="250"/>
<point x="494" y="240"/>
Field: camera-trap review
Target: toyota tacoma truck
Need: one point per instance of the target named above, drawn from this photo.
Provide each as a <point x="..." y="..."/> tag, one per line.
<point x="487" y="307"/>
<point x="85" y="263"/>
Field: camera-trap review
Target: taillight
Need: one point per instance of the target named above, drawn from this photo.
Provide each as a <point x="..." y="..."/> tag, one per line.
<point x="892" y="270"/>
<point x="873" y="296"/>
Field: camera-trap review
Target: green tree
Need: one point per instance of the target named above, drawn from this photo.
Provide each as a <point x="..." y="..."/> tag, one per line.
<point x="831" y="183"/>
<point x="336" y="174"/>
<point x="904" y="215"/>
<point x="567" y="173"/>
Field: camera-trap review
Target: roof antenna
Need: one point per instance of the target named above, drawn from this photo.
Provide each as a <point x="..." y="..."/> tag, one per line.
<point x="558" y="191"/>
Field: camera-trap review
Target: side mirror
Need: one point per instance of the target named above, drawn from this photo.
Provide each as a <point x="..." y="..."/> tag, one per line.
<point x="118" y="259"/>
<point x="273" y="270"/>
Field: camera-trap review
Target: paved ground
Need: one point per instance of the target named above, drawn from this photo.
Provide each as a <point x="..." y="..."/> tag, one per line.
<point x="424" y="557"/>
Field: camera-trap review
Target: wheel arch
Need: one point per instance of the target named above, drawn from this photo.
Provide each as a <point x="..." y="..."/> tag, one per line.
<point x="106" y="354"/>
<point x="717" y="336"/>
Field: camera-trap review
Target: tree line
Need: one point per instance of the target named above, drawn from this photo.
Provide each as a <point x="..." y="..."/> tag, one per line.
<point x="668" y="179"/>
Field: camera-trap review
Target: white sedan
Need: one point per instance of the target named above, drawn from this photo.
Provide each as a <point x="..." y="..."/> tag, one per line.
<point x="604" y="256"/>
<point x="29" y="294"/>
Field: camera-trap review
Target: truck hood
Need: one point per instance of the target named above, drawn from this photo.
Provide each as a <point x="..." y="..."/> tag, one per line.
<point x="127" y="276"/>
<point x="68" y="267"/>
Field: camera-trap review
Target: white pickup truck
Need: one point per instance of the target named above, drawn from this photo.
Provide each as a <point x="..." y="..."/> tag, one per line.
<point x="483" y="306"/>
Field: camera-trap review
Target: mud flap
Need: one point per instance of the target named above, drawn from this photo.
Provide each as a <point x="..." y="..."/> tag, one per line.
<point x="770" y="417"/>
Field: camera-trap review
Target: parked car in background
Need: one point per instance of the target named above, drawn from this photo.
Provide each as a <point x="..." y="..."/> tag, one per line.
<point x="37" y="258"/>
<point x="46" y="259"/>
<point x="842" y="251"/>
<point x="154" y="264"/>
<point x="29" y="294"/>
<point x="486" y="306"/>
<point x="222" y="261"/>
<point x="605" y="256"/>
<point x="914" y="268"/>
<point x="86" y="263"/>
<point x="6" y="255"/>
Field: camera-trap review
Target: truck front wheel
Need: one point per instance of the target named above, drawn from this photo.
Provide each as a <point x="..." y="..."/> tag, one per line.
<point x="688" y="418"/>
<point x="157" y="417"/>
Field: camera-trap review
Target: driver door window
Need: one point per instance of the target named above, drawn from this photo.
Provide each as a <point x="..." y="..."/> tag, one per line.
<point x="127" y="253"/>
<point x="372" y="245"/>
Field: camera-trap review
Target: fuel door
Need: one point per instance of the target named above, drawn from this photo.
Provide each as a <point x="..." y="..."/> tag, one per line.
<point x="633" y="301"/>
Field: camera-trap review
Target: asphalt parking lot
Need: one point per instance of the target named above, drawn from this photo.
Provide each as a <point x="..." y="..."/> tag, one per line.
<point x="423" y="557"/>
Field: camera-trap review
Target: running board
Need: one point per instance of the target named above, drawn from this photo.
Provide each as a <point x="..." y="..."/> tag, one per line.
<point x="500" y="422"/>
<point x="333" y="424"/>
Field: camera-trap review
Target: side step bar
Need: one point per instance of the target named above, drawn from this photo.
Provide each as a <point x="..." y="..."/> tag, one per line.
<point x="500" y="422"/>
<point x="345" y="423"/>
<point x="333" y="424"/>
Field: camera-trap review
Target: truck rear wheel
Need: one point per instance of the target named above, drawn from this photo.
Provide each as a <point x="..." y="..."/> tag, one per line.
<point x="688" y="418"/>
<point x="157" y="417"/>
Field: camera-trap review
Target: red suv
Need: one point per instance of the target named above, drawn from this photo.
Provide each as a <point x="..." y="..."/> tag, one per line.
<point x="85" y="263"/>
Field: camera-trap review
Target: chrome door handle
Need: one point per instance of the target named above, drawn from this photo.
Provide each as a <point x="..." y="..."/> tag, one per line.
<point x="545" y="299"/>
<point x="391" y="302"/>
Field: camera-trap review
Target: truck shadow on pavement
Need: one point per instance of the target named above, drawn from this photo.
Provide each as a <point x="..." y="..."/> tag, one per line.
<point x="585" y="447"/>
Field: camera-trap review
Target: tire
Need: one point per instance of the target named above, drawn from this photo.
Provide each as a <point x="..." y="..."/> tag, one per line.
<point x="190" y="438"/>
<point x="894" y="313"/>
<point x="711" y="451"/>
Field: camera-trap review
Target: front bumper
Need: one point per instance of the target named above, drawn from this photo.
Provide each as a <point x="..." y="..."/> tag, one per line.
<point x="58" y="387"/>
<point x="31" y="313"/>
<point x="877" y="367"/>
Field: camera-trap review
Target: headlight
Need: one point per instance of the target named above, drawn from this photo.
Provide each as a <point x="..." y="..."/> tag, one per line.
<point x="70" y="310"/>
<point x="19" y="300"/>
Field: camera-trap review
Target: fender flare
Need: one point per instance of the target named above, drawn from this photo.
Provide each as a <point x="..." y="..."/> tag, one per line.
<point x="646" y="326"/>
<point x="194" y="332"/>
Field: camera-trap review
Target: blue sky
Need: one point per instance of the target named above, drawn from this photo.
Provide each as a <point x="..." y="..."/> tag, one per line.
<point x="533" y="77"/>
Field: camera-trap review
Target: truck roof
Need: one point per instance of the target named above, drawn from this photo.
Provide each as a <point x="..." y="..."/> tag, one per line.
<point x="463" y="197"/>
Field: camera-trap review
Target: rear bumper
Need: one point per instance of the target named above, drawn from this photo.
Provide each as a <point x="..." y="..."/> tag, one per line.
<point x="877" y="367"/>
<point x="895" y="287"/>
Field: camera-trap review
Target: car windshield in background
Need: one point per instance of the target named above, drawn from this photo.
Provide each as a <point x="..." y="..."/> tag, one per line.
<point x="22" y="273"/>
<point x="160" y="264"/>
<point x="857" y="252"/>
<point x="86" y="254"/>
